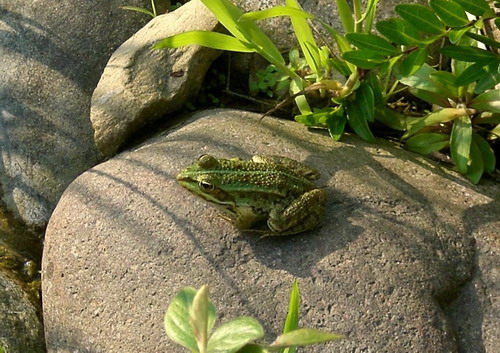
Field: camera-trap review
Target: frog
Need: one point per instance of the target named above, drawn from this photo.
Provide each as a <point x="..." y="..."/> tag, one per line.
<point x="269" y="194"/>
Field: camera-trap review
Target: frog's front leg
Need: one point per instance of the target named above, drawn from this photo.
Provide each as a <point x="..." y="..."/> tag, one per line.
<point x="302" y="214"/>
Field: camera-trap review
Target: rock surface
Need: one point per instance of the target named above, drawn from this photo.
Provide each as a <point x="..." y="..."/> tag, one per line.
<point x="140" y="85"/>
<point x="393" y="253"/>
<point x="53" y="53"/>
<point x="21" y="330"/>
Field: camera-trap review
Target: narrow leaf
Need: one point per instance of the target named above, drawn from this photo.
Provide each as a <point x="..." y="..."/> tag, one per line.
<point x="484" y="39"/>
<point x="208" y="39"/>
<point x="476" y="167"/>
<point x="138" y="9"/>
<point x="202" y="317"/>
<point x="489" y="80"/>
<point x="451" y="13"/>
<point x="345" y="14"/>
<point x="420" y="17"/>
<point x="233" y="335"/>
<point x="305" y="38"/>
<point x="441" y="116"/>
<point x="398" y="31"/>
<point x="467" y="53"/>
<point x="471" y="74"/>
<point x="177" y="324"/>
<point x="489" y="159"/>
<point x="455" y="35"/>
<point x="487" y="101"/>
<point x="413" y="62"/>
<point x="275" y="12"/>
<point x="431" y="97"/>
<point x="371" y="42"/>
<point x="460" y="142"/>
<point x="292" y="318"/>
<point x="427" y="143"/>
<point x="304" y="337"/>
<point x="364" y="59"/>
<point x="475" y="7"/>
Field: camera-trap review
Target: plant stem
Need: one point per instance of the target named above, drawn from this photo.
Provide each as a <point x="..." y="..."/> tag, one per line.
<point x="349" y="85"/>
<point x="357" y="16"/>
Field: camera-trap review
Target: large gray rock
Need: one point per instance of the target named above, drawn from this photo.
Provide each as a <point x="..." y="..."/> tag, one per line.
<point x="140" y="85"/>
<point x="21" y="330"/>
<point x="394" y="250"/>
<point x="53" y="53"/>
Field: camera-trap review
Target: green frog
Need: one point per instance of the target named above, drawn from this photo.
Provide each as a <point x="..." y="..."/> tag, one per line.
<point x="273" y="191"/>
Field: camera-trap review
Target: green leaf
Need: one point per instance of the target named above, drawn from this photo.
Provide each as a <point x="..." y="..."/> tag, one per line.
<point x="138" y="9"/>
<point x="357" y="119"/>
<point x="489" y="160"/>
<point x="456" y="34"/>
<point x="248" y="32"/>
<point x="420" y="17"/>
<point x="476" y="167"/>
<point x="233" y="335"/>
<point x="345" y="14"/>
<point x="489" y="80"/>
<point x="304" y="337"/>
<point x="301" y="100"/>
<point x="431" y="97"/>
<point x="252" y="348"/>
<point x="451" y="13"/>
<point x="467" y="53"/>
<point x="488" y="101"/>
<point x="460" y="142"/>
<point x="202" y="317"/>
<point x="427" y="143"/>
<point x="390" y="118"/>
<point x="398" y="31"/>
<point x="441" y="116"/>
<point x="475" y="7"/>
<point x="364" y="59"/>
<point x="177" y="324"/>
<point x="335" y="123"/>
<point x="292" y="318"/>
<point x="484" y="39"/>
<point x="208" y="39"/>
<point x="428" y="79"/>
<point x="413" y="62"/>
<point x="318" y="118"/>
<point x="471" y="74"/>
<point x="275" y="12"/>
<point x="305" y="37"/>
<point x="366" y="101"/>
<point x="371" y="42"/>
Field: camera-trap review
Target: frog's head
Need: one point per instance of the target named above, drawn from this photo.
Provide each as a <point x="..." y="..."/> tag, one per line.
<point x="202" y="179"/>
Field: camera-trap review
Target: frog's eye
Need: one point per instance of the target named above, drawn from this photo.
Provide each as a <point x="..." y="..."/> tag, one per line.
<point x="206" y="186"/>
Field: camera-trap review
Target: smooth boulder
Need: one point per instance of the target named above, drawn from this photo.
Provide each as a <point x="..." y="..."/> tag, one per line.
<point x="392" y="254"/>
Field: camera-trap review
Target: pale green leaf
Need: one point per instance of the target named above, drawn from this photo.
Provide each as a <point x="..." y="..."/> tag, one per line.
<point x="202" y="316"/>
<point x="460" y="142"/>
<point x="413" y="62"/>
<point x="233" y="335"/>
<point x="441" y="116"/>
<point x="138" y="9"/>
<point x="345" y="15"/>
<point x="275" y="12"/>
<point x="292" y="318"/>
<point x="208" y="39"/>
<point x="177" y="323"/>
<point x="304" y="337"/>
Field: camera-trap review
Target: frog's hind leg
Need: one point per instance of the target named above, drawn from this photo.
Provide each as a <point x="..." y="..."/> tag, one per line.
<point x="302" y="214"/>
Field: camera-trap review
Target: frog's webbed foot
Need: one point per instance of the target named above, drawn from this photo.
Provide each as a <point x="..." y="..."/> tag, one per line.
<point x="302" y="214"/>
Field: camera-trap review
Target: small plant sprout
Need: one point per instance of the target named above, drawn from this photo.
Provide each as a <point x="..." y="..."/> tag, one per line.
<point x="190" y="319"/>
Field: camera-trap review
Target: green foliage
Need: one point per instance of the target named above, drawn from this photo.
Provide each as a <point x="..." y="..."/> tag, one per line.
<point x="377" y="67"/>
<point x="151" y="13"/>
<point x="190" y="318"/>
